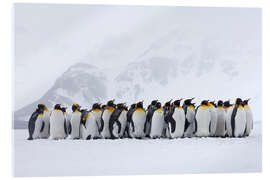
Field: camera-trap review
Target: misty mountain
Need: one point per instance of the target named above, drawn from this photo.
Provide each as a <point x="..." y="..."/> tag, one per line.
<point x="81" y="83"/>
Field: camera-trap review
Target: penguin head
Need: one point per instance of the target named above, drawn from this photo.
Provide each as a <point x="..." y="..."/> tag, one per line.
<point x="213" y="103"/>
<point x="227" y="104"/>
<point x="103" y="106"/>
<point x="245" y="102"/>
<point x="132" y="106"/>
<point x="204" y="102"/>
<point x="220" y="103"/>
<point x="158" y="105"/>
<point x="120" y="106"/>
<point x="41" y="106"/>
<point x="139" y="104"/>
<point x="177" y="102"/>
<point x="188" y="101"/>
<point x="96" y="106"/>
<point x="111" y="103"/>
<point x="75" y="107"/>
<point x="63" y="109"/>
<point x="154" y="102"/>
<point x="238" y="101"/>
<point x="57" y="106"/>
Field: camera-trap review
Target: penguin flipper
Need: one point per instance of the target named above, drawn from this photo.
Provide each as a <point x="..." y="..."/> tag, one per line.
<point x="31" y="124"/>
<point x="196" y="126"/>
<point x="132" y="124"/>
<point x="65" y="126"/>
<point x="210" y="127"/>
<point x="173" y="124"/>
<point x="119" y="126"/>
<point x="233" y="119"/>
<point x="42" y="126"/>
<point x="69" y="128"/>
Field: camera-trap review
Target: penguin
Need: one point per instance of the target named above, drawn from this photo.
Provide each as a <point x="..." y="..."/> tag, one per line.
<point x="116" y="127"/>
<point x="97" y="111"/>
<point x="35" y="123"/>
<point x="130" y="128"/>
<point x="166" y="109"/>
<point x="228" y="110"/>
<point x="57" y="123"/>
<point x="221" y="120"/>
<point x="90" y="125"/>
<point x="176" y="120"/>
<point x="150" y="111"/>
<point x="123" y="120"/>
<point x="105" y="118"/>
<point x="75" y="121"/>
<point x="249" y="117"/>
<point x="45" y="133"/>
<point x="138" y="118"/>
<point x="213" y="112"/>
<point x="189" y="110"/>
<point x="238" y="119"/>
<point x="157" y="122"/>
<point x="202" y="120"/>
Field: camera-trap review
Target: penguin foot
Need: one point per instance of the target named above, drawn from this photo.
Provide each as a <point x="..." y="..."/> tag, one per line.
<point x="30" y="138"/>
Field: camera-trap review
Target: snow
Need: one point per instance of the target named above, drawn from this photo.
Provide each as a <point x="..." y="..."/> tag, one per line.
<point x="130" y="156"/>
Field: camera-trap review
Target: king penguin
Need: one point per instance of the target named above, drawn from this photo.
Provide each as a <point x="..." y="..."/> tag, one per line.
<point x="116" y="127"/>
<point x="238" y="119"/>
<point x="249" y="117"/>
<point x="35" y="123"/>
<point x="149" y="113"/>
<point x="202" y="120"/>
<point x="228" y="110"/>
<point x="138" y="118"/>
<point x="57" y="123"/>
<point x="166" y="109"/>
<point x="213" y="112"/>
<point x="46" y="123"/>
<point x="130" y="128"/>
<point x="176" y="120"/>
<point x="221" y="120"/>
<point x="157" y="122"/>
<point x="105" y="118"/>
<point x="75" y="121"/>
<point x="189" y="109"/>
<point x="91" y="126"/>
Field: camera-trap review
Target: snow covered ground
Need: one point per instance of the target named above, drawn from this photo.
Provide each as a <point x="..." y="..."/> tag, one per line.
<point x="130" y="157"/>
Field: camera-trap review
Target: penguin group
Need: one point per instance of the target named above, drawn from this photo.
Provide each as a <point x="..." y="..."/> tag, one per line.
<point x="117" y="121"/>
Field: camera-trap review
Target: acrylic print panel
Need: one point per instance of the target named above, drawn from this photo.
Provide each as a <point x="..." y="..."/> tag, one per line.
<point x="86" y="54"/>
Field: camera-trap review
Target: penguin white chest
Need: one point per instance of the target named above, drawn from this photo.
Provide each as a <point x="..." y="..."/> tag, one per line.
<point x="240" y="122"/>
<point x="157" y="124"/>
<point x="221" y="120"/>
<point x="213" y="126"/>
<point x="139" y="118"/>
<point x="123" y="120"/>
<point x="46" y="120"/>
<point x="228" y="121"/>
<point x="179" y="117"/>
<point x="249" y="119"/>
<point x="75" y="125"/>
<point x="57" y="120"/>
<point x="106" y="118"/>
<point x="38" y="126"/>
<point x="91" y="125"/>
<point x="203" y="118"/>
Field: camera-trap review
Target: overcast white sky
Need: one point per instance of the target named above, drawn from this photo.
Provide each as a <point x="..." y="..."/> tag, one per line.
<point x="50" y="38"/>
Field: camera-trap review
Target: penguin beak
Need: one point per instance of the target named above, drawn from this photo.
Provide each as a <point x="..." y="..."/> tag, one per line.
<point x="248" y="99"/>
